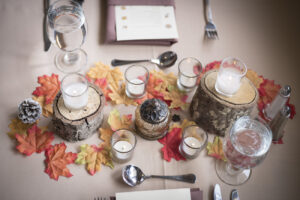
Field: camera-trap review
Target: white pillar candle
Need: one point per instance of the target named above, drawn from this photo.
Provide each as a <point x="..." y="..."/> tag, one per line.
<point x="228" y="81"/>
<point x="191" y="142"/>
<point x="122" y="150"/>
<point x="136" y="87"/>
<point x="75" y="96"/>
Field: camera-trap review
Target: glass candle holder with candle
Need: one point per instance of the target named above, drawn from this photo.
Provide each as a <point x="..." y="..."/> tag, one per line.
<point x="74" y="89"/>
<point x="189" y="70"/>
<point x="123" y="143"/>
<point x="136" y="81"/>
<point x="231" y="71"/>
<point x="194" y="139"/>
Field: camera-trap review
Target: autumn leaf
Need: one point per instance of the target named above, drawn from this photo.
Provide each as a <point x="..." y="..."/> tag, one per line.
<point x="208" y="67"/>
<point x="254" y="78"/>
<point x="105" y="135"/>
<point x="57" y="160"/>
<point x="103" y="85"/>
<point x="34" y="141"/>
<point x="183" y="125"/>
<point x="17" y="126"/>
<point x="50" y="86"/>
<point x="93" y="156"/>
<point x="215" y="149"/>
<point x="46" y="108"/>
<point x="117" y="122"/>
<point x="118" y="96"/>
<point x="171" y="143"/>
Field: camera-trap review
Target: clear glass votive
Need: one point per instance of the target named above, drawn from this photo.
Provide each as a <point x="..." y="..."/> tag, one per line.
<point x="136" y="77"/>
<point x="231" y="71"/>
<point x="123" y="143"/>
<point x="194" y="139"/>
<point x="74" y="89"/>
<point x="189" y="70"/>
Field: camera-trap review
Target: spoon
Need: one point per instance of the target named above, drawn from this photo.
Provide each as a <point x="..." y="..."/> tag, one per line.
<point x="133" y="176"/>
<point x="166" y="59"/>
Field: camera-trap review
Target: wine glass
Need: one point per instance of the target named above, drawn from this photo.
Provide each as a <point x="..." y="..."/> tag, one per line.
<point x="245" y="147"/>
<point x="67" y="29"/>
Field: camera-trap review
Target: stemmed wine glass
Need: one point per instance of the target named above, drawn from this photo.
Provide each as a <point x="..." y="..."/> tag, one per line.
<point x="67" y="29"/>
<point x="245" y="147"/>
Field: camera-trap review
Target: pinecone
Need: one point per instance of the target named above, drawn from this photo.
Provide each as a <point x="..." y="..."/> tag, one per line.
<point x="29" y="111"/>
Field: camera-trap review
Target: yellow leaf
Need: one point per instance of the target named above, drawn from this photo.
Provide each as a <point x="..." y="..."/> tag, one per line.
<point x="215" y="149"/>
<point x="254" y="78"/>
<point x="117" y="122"/>
<point x="119" y="96"/>
<point x="105" y="135"/>
<point x="47" y="108"/>
<point x="17" y="126"/>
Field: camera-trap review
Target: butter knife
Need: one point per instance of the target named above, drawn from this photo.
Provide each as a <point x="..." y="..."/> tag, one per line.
<point x="47" y="42"/>
<point x="217" y="192"/>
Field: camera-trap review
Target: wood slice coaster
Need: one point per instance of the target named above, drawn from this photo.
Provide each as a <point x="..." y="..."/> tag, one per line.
<point x="76" y="125"/>
<point x="216" y="113"/>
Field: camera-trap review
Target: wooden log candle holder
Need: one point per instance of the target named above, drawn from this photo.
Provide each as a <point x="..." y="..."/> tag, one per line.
<point x="78" y="125"/>
<point x="216" y="113"/>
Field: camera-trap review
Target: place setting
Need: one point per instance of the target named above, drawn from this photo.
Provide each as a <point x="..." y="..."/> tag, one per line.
<point x="222" y="109"/>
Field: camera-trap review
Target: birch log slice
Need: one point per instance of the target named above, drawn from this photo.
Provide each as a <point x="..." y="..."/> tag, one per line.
<point x="216" y="113"/>
<point x="76" y="125"/>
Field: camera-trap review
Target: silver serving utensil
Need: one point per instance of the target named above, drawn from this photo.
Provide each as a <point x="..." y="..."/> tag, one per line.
<point x="166" y="59"/>
<point x="47" y="42"/>
<point x="210" y="27"/>
<point x="234" y="195"/>
<point x="133" y="176"/>
<point x="217" y="192"/>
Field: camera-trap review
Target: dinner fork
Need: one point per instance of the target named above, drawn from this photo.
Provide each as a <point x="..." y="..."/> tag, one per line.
<point x="100" y="198"/>
<point x="210" y="27"/>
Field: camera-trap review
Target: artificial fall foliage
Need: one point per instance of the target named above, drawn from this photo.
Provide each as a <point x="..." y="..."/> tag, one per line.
<point x="93" y="156"/>
<point x="172" y="141"/>
<point x="215" y="149"/>
<point x="47" y="109"/>
<point x="17" y="126"/>
<point x="35" y="141"/>
<point x="57" y="160"/>
<point x="50" y="86"/>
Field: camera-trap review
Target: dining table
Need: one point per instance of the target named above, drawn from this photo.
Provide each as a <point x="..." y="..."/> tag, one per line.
<point x="262" y="33"/>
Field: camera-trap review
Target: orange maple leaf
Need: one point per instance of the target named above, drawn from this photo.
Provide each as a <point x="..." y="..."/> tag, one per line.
<point x="46" y="108"/>
<point x="102" y="84"/>
<point x="50" y="86"/>
<point x="254" y="78"/>
<point x="35" y="141"/>
<point x="57" y="161"/>
<point x="215" y="149"/>
<point x="17" y="126"/>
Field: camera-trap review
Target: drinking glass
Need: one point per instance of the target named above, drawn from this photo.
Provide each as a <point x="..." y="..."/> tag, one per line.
<point x="67" y="29"/>
<point x="244" y="147"/>
<point x="136" y="77"/>
<point x="189" y="70"/>
<point x="231" y="71"/>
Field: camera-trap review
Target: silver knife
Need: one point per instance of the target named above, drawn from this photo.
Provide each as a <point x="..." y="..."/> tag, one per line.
<point x="47" y="42"/>
<point x="234" y="195"/>
<point x="217" y="192"/>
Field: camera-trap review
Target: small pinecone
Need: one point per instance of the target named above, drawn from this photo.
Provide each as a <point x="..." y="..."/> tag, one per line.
<point x="29" y="111"/>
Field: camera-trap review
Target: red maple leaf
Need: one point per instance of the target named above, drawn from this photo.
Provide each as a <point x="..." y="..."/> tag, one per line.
<point x="171" y="144"/>
<point x="35" y="141"/>
<point x="103" y="85"/>
<point x="50" y="86"/>
<point x="57" y="161"/>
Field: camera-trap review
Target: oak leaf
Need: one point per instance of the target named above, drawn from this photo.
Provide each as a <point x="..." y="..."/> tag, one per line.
<point x="46" y="108"/>
<point x="50" y="86"/>
<point x="93" y="156"/>
<point x="215" y="149"/>
<point x="57" y="160"/>
<point x="35" y="141"/>
<point x="17" y="126"/>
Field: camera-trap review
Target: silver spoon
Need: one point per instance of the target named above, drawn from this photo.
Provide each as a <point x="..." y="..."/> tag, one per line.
<point x="166" y="59"/>
<point x="133" y="176"/>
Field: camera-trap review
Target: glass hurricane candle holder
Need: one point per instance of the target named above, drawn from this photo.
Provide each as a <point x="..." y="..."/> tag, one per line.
<point x="194" y="139"/>
<point x="231" y="71"/>
<point x="189" y="70"/>
<point x="244" y="147"/>
<point x="123" y="143"/>
<point x="74" y="89"/>
<point x="136" y="77"/>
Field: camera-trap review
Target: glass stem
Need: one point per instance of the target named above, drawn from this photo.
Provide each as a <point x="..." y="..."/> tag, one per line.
<point x="71" y="57"/>
<point x="230" y="169"/>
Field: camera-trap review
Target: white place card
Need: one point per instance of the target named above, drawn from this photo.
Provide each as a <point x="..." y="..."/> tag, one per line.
<point x="172" y="194"/>
<point x="145" y="22"/>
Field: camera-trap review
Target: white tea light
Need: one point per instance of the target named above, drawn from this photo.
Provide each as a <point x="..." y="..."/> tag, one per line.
<point x="136" y="77"/>
<point x="123" y="143"/>
<point x="190" y="145"/>
<point x="136" y="87"/>
<point x="122" y="147"/>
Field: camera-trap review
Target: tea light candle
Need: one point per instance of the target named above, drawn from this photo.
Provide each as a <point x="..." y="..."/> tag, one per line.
<point x="188" y="82"/>
<point x="229" y="76"/>
<point x="194" y="139"/>
<point x="75" y="91"/>
<point x="136" y="87"/>
<point x="123" y="143"/>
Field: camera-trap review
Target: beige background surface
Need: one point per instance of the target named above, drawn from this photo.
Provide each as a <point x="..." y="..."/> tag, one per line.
<point x="263" y="33"/>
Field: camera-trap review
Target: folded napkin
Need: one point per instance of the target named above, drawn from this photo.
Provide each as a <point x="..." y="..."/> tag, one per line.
<point x="111" y="36"/>
<point x="196" y="194"/>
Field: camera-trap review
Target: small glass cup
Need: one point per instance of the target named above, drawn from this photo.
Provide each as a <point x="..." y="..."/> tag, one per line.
<point x="231" y="71"/>
<point x="123" y="143"/>
<point x="74" y="89"/>
<point x="189" y="70"/>
<point x="194" y="139"/>
<point x="136" y="77"/>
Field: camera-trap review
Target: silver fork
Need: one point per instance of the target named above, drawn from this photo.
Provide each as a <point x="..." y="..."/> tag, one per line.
<point x="210" y="27"/>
